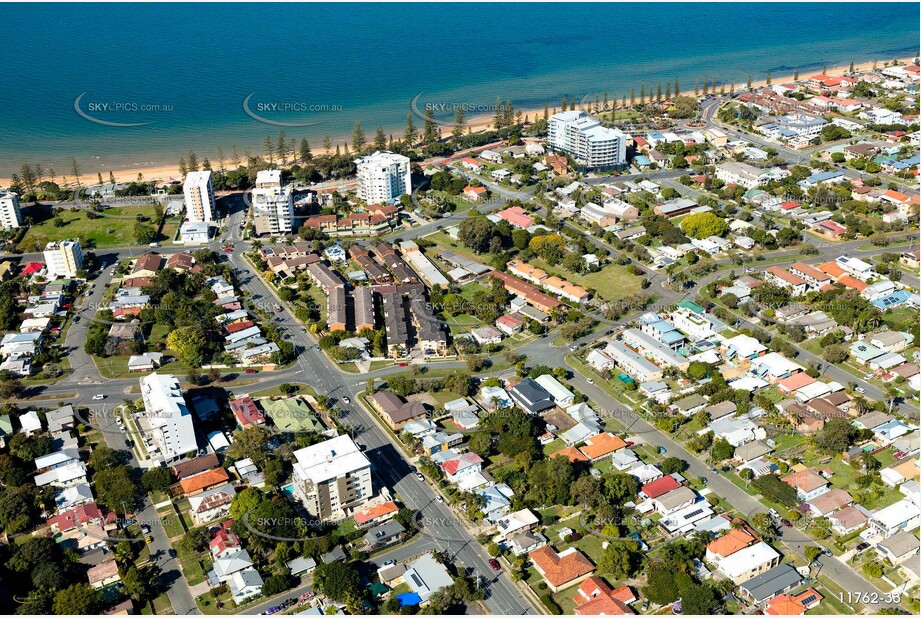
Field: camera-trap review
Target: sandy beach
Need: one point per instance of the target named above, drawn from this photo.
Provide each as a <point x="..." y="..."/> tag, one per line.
<point x="163" y="173"/>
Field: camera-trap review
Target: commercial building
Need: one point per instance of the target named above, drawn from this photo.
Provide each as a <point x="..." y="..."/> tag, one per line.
<point x="585" y="140"/>
<point x="10" y="215"/>
<point x="332" y="477"/>
<point x="166" y="422"/>
<point x="383" y="176"/>
<point x="199" y="197"/>
<point x="273" y="204"/>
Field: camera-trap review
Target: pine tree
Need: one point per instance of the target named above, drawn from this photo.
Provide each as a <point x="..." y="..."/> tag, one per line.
<point x="206" y="164"/>
<point x="768" y="82"/>
<point x="824" y="69"/>
<point x="624" y="102"/>
<point x="234" y="156"/>
<point x="428" y="127"/>
<point x="498" y="117"/>
<point x="380" y="139"/>
<point x="193" y="162"/>
<point x="546" y="109"/>
<point x="605" y="102"/>
<point x="677" y="87"/>
<point x="697" y="88"/>
<point x="564" y="103"/>
<point x="642" y="92"/>
<point x="220" y="159"/>
<point x="796" y="75"/>
<point x="508" y="114"/>
<point x="659" y="93"/>
<point x="732" y="89"/>
<point x="306" y="155"/>
<point x="409" y="134"/>
<point x="358" y="137"/>
<point x="460" y="123"/>
<point x="327" y="143"/>
<point x="851" y="68"/>
<point x="632" y="97"/>
<point x="98" y="177"/>
<point x="183" y="168"/>
<point x="282" y="146"/>
<point x="270" y="149"/>
<point x="706" y="84"/>
<point x="668" y="91"/>
<point x="749" y="82"/>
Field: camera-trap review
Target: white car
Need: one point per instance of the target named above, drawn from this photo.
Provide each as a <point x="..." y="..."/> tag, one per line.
<point x="749" y="270"/>
<point x="439" y="499"/>
<point x="346" y="400"/>
<point x="860" y="390"/>
<point x="98" y="397"/>
<point x="589" y="380"/>
<point x="419" y="476"/>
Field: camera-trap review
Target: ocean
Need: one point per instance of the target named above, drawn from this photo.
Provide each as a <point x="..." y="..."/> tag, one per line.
<point x="181" y="72"/>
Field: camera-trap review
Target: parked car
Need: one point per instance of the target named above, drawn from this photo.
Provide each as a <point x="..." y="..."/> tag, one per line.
<point x="862" y="546"/>
<point x="786" y="523"/>
<point x="589" y="380"/>
<point x="419" y="476"/>
<point x="390" y="562"/>
<point x="494" y="564"/>
<point x="251" y="371"/>
<point x="145" y="529"/>
<point x="439" y="499"/>
<point x="99" y="397"/>
<point x="860" y="389"/>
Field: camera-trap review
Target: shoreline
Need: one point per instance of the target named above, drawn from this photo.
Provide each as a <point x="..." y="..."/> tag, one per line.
<point x="164" y="172"/>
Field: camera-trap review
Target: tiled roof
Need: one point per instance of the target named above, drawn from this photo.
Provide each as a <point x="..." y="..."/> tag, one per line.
<point x="601" y="445"/>
<point x="660" y="486"/>
<point x="559" y="569"/>
<point x="204" y="480"/>
<point x="805" y="480"/>
<point x="731" y="542"/>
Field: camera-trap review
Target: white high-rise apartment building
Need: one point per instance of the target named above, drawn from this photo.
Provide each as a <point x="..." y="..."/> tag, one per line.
<point x="63" y="258"/>
<point x="332" y="478"/>
<point x="383" y="176"/>
<point x="199" y="197"/>
<point x="273" y="204"/>
<point x="166" y="420"/>
<point x="587" y="141"/>
<point x="10" y="215"/>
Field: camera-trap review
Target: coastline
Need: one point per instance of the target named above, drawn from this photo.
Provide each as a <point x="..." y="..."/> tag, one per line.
<point x="165" y="172"/>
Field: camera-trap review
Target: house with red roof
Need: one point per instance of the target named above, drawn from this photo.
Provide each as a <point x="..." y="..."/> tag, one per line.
<point x="247" y="412"/>
<point x="830" y="229"/>
<point x="471" y="164"/>
<point x="224" y="542"/>
<point x="659" y="487"/>
<point x="596" y="598"/>
<point x="517" y="217"/>
<point x="461" y="466"/>
<point x="87" y="514"/>
<point x="31" y="268"/>
<point x="474" y="194"/>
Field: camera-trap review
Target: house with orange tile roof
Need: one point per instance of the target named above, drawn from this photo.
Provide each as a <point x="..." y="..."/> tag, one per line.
<point x="832" y="270"/>
<point x="808" y="484"/>
<point x="571" y="453"/>
<point x="376" y="514"/>
<point x="853" y="283"/>
<point x="728" y="544"/>
<point x="202" y="481"/>
<point x="793" y="604"/>
<point x="813" y="276"/>
<point x="474" y="194"/>
<point x="562" y="569"/>
<point x="596" y="598"/>
<point x="785" y="279"/>
<point x="602" y="445"/>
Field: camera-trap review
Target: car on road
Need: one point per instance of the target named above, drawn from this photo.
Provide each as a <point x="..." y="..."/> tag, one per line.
<point x="827" y="552"/>
<point x="129" y="443"/>
<point x="419" y="476"/>
<point x="171" y="552"/>
<point x="346" y="400"/>
<point x="860" y="389"/>
<point x="251" y="371"/>
<point x="629" y="443"/>
<point x="145" y="529"/>
<point x="76" y="319"/>
<point x="494" y="564"/>
<point x="148" y="539"/>
<point x="389" y="563"/>
<point x="589" y="380"/>
<point x="439" y="499"/>
<point x="749" y="270"/>
<point x="786" y="523"/>
<point x="402" y="364"/>
<point x="99" y="397"/>
<point x="714" y="470"/>
<point x="272" y="610"/>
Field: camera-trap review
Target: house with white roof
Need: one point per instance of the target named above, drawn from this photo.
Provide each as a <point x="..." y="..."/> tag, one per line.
<point x="749" y="562"/>
<point x="903" y="515"/>
<point x="561" y="395"/>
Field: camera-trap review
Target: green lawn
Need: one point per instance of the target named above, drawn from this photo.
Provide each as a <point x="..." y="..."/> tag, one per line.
<point x="113" y="228"/>
<point x="612" y="282"/>
<point x="171" y="523"/>
<point x="191" y="566"/>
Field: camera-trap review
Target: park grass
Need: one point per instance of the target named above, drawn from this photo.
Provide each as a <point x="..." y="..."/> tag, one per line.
<point x="114" y="228"/>
<point x="191" y="566"/>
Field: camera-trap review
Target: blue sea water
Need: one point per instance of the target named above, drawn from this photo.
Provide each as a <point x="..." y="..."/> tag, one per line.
<point x="200" y="61"/>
